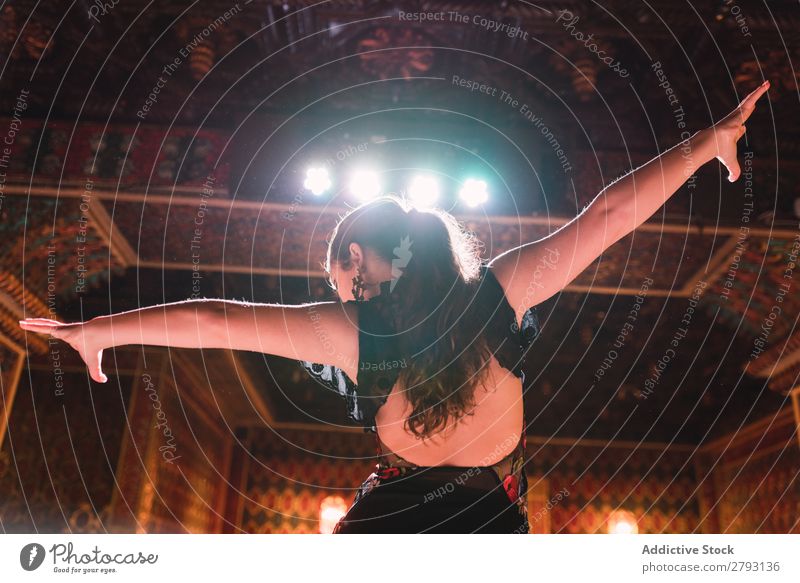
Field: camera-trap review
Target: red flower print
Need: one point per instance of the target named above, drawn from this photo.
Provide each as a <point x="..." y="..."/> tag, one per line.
<point x="511" y="484"/>
<point x="386" y="473"/>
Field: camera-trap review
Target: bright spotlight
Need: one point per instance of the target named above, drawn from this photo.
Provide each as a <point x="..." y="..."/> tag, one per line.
<point x="365" y="184"/>
<point x="424" y="190"/>
<point x="622" y="522"/>
<point x="474" y="192"/>
<point x="331" y="509"/>
<point x="318" y="181"/>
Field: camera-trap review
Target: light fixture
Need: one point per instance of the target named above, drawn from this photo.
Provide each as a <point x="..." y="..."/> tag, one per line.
<point x="365" y="184"/>
<point x="622" y="522"/>
<point x="474" y="192"/>
<point x="331" y="509"/>
<point x="424" y="190"/>
<point x="318" y="181"/>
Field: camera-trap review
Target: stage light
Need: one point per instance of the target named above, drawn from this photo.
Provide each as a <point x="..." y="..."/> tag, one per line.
<point x="424" y="190"/>
<point x="331" y="509"/>
<point x="474" y="192"/>
<point x="622" y="522"/>
<point x="318" y="181"/>
<point x="365" y="184"/>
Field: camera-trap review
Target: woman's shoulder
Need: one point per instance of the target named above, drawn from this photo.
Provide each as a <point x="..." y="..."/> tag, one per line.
<point x="492" y="299"/>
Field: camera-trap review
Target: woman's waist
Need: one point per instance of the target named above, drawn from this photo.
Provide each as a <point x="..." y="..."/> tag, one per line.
<point x="503" y="466"/>
<point x="462" y="445"/>
<point x="441" y="480"/>
<point x="484" y="477"/>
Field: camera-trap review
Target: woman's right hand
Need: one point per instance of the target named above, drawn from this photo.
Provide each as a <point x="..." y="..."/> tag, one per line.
<point x="77" y="335"/>
<point x="723" y="135"/>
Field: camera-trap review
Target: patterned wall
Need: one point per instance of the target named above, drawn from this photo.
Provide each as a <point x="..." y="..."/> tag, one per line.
<point x="573" y="488"/>
<point x="754" y="479"/>
<point x="653" y="482"/>
<point x="58" y="460"/>
<point x="12" y="359"/>
<point x="69" y="463"/>
<point x="174" y="463"/>
<point x="287" y="473"/>
<point x="275" y="480"/>
<point x="290" y="472"/>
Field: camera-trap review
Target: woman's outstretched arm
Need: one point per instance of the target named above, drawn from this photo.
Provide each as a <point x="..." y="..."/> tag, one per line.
<point x="533" y="272"/>
<point x="324" y="332"/>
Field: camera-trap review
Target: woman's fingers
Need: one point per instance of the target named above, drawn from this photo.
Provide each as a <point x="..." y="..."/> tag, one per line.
<point x="44" y="327"/>
<point x="748" y="105"/>
<point x="733" y="170"/>
<point x="730" y="159"/>
<point x="39" y="321"/>
<point x="94" y="363"/>
<point x="742" y="131"/>
<point x="71" y="334"/>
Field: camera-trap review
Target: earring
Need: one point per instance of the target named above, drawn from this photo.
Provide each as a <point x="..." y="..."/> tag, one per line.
<point x="358" y="286"/>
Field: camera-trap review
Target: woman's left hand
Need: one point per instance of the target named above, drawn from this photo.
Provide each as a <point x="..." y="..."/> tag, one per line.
<point x="723" y="135"/>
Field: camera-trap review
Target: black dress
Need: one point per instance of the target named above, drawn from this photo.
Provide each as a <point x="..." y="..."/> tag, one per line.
<point x="399" y="496"/>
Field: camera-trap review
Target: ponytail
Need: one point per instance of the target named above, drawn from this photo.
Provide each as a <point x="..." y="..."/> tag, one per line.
<point x="434" y="263"/>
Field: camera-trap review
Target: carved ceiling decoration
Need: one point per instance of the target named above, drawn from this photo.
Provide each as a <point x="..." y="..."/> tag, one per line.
<point x="119" y="156"/>
<point x="50" y="251"/>
<point x="383" y="52"/>
<point x="281" y="239"/>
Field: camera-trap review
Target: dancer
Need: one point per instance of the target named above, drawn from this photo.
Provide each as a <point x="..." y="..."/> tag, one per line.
<point x="427" y="343"/>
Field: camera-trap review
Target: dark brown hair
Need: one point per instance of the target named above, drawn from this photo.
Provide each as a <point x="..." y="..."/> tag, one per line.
<point x="435" y="331"/>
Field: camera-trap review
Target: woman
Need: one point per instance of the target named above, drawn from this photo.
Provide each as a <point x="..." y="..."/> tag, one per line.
<point x="427" y="342"/>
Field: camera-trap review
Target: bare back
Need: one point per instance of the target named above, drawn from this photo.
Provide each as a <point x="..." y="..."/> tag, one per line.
<point x="483" y="436"/>
<point x="489" y="434"/>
